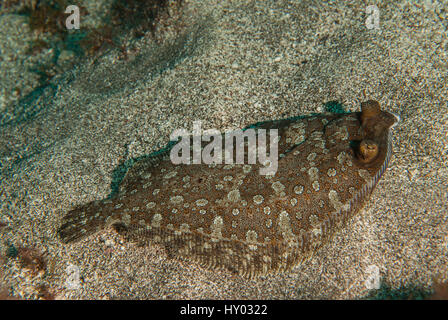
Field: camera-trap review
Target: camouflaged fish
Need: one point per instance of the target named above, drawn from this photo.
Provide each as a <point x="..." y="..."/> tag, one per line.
<point x="230" y="216"/>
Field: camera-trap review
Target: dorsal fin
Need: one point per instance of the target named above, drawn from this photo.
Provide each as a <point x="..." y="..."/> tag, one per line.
<point x="137" y="165"/>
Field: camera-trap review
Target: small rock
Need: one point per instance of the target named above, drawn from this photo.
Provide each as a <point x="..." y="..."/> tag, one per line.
<point x="66" y="58"/>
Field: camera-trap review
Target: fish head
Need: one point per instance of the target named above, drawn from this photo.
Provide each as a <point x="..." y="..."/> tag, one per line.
<point x="359" y="148"/>
<point x="374" y="146"/>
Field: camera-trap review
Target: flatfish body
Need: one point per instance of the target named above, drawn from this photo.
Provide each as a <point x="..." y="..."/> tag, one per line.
<point x="231" y="216"/>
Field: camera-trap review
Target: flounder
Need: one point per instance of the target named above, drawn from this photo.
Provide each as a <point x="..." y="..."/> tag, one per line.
<point x="230" y="216"/>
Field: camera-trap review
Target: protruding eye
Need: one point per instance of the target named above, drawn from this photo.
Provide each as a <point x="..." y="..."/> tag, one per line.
<point x="367" y="151"/>
<point x="369" y="110"/>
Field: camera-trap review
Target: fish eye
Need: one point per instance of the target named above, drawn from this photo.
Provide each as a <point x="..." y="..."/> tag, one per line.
<point x="367" y="150"/>
<point x="369" y="110"/>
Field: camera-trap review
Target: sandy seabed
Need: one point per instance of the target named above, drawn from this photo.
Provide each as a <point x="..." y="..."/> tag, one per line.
<point x="229" y="64"/>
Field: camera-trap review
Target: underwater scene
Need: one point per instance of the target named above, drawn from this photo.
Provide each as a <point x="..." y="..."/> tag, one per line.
<point x="223" y="150"/>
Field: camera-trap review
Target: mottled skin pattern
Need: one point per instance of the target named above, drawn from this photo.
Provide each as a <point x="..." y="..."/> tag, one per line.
<point x="231" y="216"/>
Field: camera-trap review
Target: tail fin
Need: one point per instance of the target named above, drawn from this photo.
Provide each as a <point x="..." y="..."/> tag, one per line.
<point x="85" y="220"/>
